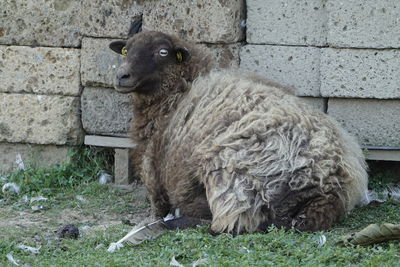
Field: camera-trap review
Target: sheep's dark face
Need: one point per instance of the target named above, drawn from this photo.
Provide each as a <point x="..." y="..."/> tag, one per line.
<point x="148" y="58"/>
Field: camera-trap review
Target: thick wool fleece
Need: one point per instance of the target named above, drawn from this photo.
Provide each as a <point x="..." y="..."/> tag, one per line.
<point x="249" y="154"/>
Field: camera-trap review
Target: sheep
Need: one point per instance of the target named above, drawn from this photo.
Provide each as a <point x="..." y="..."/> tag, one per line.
<point x="233" y="147"/>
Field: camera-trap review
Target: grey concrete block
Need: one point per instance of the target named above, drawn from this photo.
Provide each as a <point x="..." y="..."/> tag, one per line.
<point x="373" y="122"/>
<point x="287" y="22"/>
<point x="40" y="70"/>
<point x="109" y="18"/>
<point x="99" y="63"/>
<point x="35" y="156"/>
<point x="317" y="103"/>
<point x="368" y="23"/>
<point x="288" y="65"/>
<point x="40" y="119"/>
<point x="104" y="111"/>
<point x="200" y="20"/>
<point x="360" y="73"/>
<point x="46" y="23"/>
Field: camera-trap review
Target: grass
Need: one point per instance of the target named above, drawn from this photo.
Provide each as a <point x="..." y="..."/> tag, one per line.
<point x="84" y="166"/>
<point x="104" y="207"/>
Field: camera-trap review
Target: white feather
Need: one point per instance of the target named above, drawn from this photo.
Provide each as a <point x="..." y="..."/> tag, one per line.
<point x="11" y="259"/>
<point x="141" y="233"/>
<point x="29" y="249"/>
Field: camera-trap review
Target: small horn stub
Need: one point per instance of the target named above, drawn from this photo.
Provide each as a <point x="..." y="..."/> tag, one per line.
<point x="136" y="26"/>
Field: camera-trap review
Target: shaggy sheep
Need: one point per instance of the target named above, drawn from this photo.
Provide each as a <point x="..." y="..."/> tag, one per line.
<point x="233" y="147"/>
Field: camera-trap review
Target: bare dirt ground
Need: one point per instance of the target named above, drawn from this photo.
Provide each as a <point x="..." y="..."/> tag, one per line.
<point x="89" y="211"/>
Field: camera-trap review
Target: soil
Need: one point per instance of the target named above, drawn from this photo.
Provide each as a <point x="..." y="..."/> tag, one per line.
<point x="86" y="215"/>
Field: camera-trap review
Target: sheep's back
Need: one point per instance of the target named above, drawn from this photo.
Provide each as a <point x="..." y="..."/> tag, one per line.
<point x="262" y="134"/>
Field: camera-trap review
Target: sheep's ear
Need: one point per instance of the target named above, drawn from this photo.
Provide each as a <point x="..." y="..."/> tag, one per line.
<point x="118" y="47"/>
<point x="182" y="54"/>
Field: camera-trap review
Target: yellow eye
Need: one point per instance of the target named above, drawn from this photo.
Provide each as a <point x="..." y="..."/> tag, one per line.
<point x="124" y="51"/>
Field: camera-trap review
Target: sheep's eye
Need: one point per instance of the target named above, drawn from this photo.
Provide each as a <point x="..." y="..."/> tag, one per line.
<point x="163" y="52"/>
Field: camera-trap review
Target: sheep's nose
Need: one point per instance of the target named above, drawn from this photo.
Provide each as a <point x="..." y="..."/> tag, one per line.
<point x="123" y="76"/>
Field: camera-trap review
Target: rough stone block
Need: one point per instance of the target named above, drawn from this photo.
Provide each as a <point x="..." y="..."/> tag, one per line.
<point x="360" y="73"/>
<point x="286" y="22"/>
<point x="110" y="18"/>
<point x="40" y="22"/>
<point x="200" y="20"/>
<point x="40" y="70"/>
<point x="36" y="156"/>
<point x="99" y="63"/>
<point x="368" y="23"/>
<point x="291" y="66"/>
<point x="373" y="122"/>
<point x="40" y="119"/>
<point x="227" y="55"/>
<point x="105" y="111"/>
<point x="317" y="103"/>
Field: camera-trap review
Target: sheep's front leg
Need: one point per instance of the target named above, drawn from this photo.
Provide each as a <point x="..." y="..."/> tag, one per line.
<point x="159" y="200"/>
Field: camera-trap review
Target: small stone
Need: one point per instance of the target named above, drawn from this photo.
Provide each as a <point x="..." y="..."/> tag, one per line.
<point x="99" y="246"/>
<point x="105" y="178"/>
<point x="11" y="189"/>
<point x="127" y="222"/>
<point x="68" y="231"/>
<point x="37" y="208"/>
<point x="80" y="198"/>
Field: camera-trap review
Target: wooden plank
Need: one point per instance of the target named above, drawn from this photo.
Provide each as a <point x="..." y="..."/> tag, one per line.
<point x="124" y="142"/>
<point x="122" y="167"/>
<point x="379" y="154"/>
<point x="108" y="141"/>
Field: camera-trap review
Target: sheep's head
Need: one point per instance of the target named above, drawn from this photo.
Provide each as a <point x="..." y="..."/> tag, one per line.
<point x="150" y="59"/>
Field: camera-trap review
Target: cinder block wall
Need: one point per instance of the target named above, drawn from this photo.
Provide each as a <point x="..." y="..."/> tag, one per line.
<point x="346" y="52"/>
<point x="56" y="69"/>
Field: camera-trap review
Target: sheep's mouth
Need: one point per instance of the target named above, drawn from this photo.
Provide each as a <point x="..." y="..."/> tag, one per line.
<point x="125" y="89"/>
<point x="144" y="86"/>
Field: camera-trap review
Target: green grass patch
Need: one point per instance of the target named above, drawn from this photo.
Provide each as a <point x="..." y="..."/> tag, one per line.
<point x="381" y="181"/>
<point x="83" y="167"/>
<point x="103" y="207"/>
<point x="277" y="247"/>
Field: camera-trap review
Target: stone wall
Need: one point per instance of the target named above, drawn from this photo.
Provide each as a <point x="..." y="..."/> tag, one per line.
<point x="56" y="69"/>
<point x="346" y="52"/>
